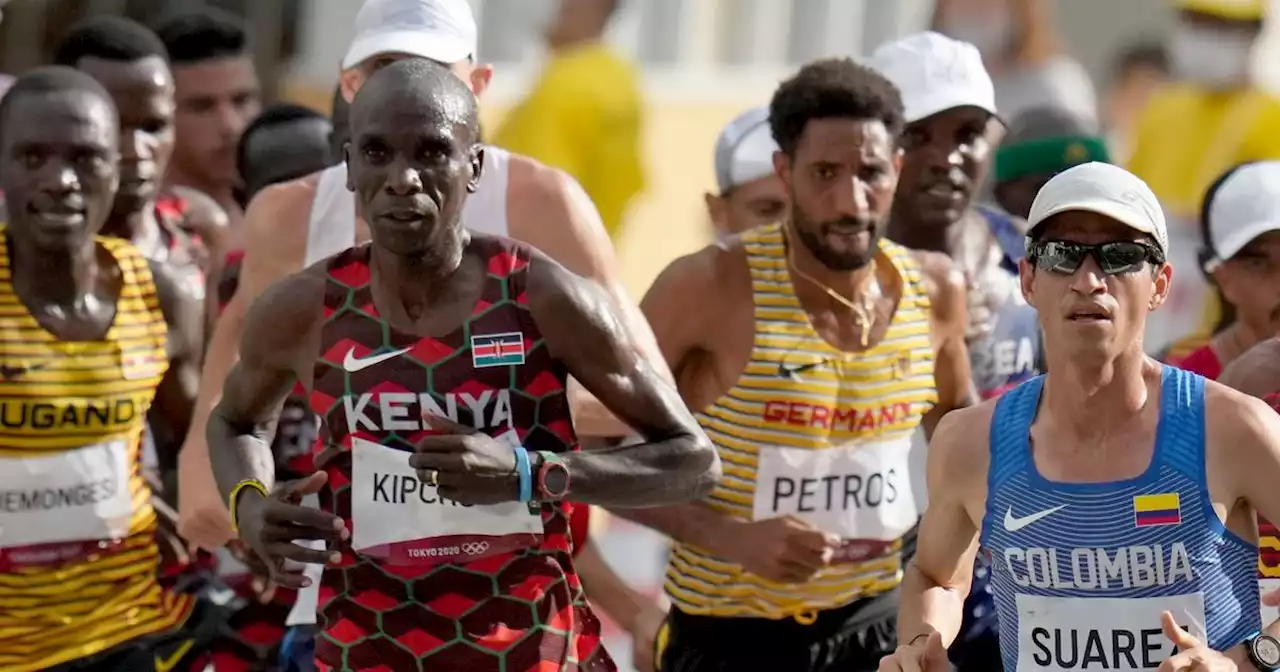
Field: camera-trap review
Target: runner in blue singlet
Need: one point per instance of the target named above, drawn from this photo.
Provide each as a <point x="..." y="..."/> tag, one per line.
<point x="1115" y="496"/>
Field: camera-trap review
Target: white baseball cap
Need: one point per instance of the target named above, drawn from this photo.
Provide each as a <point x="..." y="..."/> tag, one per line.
<point x="744" y="150"/>
<point x="441" y="30"/>
<point x="935" y="73"/>
<point x="1107" y="190"/>
<point x="1245" y="206"/>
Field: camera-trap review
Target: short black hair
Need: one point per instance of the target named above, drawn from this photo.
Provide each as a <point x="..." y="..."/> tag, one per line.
<point x="111" y="38"/>
<point x="52" y="79"/>
<point x="832" y="88"/>
<point x="274" y="115"/>
<point x="1147" y="54"/>
<point x="202" y="35"/>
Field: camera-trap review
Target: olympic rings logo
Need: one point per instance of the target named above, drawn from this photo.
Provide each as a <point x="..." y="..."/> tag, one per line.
<point x="475" y="547"/>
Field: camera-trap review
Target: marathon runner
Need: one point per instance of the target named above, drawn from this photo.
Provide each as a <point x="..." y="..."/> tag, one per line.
<point x="950" y="139"/>
<point x="85" y="341"/>
<point x="1257" y="374"/>
<point x="293" y="225"/>
<point x="1041" y="143"/>
<point x="1118" y="506"/>
<point x="464" y="368"/>
<point x="217" y="92"/>
<point x="750" y="193"/>
<point x="813" y="349"/>
<point x="1240" y="234"/>
<point x="283" y="143"/>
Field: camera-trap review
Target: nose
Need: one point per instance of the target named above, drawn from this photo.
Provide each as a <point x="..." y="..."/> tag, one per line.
<point x="853" y="198"/>
<point x="403" y="179"/>
<point x="1089" y="279"/>
<point x="134" y="147"/>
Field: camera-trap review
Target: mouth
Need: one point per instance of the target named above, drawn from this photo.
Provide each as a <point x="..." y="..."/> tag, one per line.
<point x="1090" y="316"/>
<point x="57" y="216"/>
<point x="945" y="191"/>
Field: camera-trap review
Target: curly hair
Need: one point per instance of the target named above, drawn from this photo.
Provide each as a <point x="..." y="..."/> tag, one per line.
<point x="832" y="88"/>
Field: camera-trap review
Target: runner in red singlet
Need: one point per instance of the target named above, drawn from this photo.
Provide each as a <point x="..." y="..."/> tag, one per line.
<point x="448" y="537"/>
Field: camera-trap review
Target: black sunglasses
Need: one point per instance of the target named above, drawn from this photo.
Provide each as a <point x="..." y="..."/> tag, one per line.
<point x="1113" y="258"/>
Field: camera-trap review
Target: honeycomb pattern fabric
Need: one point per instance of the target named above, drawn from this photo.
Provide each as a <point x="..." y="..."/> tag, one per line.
<point x="515" y="612"/>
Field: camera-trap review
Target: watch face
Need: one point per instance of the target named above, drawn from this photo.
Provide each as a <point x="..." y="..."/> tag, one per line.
<point x="1267" y="650"/>
<point x="556" y="480"/>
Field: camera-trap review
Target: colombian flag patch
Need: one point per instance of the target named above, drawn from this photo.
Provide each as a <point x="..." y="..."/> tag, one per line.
<point x="1152" y="510"/>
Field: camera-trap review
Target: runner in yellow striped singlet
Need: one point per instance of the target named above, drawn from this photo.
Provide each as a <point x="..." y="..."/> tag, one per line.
<point x="813" y="350"/>
<point x="84" y="345"/>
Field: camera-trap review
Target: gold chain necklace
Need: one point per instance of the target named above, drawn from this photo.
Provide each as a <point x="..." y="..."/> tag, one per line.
<point x="864" y="315"/>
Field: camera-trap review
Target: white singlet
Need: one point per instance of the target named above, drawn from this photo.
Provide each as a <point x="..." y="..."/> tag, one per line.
<point x="331" y="229"/>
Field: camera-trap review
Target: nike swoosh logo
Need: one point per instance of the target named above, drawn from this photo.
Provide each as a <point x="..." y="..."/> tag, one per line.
<point x="789" y="371"/>
<point x="352" y="364"/>
<point x="1012" y="524"/>
<point x="164" y="664"/>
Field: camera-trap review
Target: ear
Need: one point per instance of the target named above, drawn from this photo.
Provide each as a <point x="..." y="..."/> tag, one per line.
<point x="479" y="79"/>
<point x="1026" y="274"/>
<point x="346" y="158"/>
<point x="782" y="166"/>
<point x="477" y="167"/>
<point x="717" y="210"/>
<point x="1162" y="283"/>
<point x="350" y="80"/>
<point x="898" y="155"/>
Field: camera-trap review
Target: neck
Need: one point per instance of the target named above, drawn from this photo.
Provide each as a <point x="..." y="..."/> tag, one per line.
<point x="1089" y="398"/>
<point x="1236" y="340"/>
<point x="421" y="280"/>
<point x="222" y="194"/>
<point x="140" y="227"/>
<point x="846" y="283"/>
<point x="62" y="277"/>
<point x="906" y="229"/>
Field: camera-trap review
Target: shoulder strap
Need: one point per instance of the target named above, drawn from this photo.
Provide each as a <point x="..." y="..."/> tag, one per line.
<point x="1180" y="432"/>
<point x="1010" y="426"/>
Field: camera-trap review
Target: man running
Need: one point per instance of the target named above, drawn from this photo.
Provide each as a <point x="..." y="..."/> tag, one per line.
<point x="293" y="225"/>
<point x="217" y="92"/>
<point x="283" y="143"/>
<point x="85" y="342"/>
<point x="1114" y="495"/>
<point x="750" y="193"/>
<point x="813" y="349"/>
<point x="477" y="328"/>
<point x="1257" y="374"/>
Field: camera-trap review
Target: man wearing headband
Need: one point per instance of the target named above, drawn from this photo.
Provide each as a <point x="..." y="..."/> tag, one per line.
<point x="751" y="194"/>
<point x="1041" y="143"/>
<point x="1113" y="494"/>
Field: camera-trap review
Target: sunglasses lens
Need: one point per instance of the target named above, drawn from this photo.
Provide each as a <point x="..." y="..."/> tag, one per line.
<point x="1118" y="258"/>
<point x="1060" y="257"/>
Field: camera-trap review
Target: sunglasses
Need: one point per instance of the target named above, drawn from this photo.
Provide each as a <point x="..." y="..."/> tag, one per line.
<point x="1115" y="258"/>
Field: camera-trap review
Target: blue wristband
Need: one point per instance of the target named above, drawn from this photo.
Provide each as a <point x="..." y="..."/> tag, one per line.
<point x="525" y="471"/>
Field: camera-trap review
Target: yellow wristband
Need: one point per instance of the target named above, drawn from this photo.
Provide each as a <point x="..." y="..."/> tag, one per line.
<point x="232" y="500"/>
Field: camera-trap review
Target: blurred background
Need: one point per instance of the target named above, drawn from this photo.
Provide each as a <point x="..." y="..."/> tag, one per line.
<point x="702" y="62"/>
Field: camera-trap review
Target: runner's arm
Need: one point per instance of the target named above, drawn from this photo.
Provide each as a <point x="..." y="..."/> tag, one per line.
<point x="278" y="345"/>
<point x="583" y="330"/>
<point x="556" y="216"/>
<point x="937" y="581"/>
<point x="950" y="321"/>
<point x="274" y="237"/>
<point x="170" y="415"/>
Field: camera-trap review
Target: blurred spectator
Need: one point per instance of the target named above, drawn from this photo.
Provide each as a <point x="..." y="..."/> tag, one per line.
<point x="1041" y="143"/>
<point x="217" y="96"/>
<point x="584" y="114"/>
<point x="1022" y="52"/>
<point x="1138" y="73"/>
<point x="341" y="131"/>
<point x="283" y="143"/>
<point x="751" y="194"/>
<point x="1240" y="254"/>
<point x="1210" y="118"/>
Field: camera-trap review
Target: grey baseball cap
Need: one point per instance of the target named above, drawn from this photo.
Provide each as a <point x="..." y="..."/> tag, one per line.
<point x="744" y="151"/>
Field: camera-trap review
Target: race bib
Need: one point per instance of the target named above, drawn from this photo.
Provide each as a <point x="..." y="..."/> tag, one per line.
<point x="861" y="493"/>
<point x="401" y="520"/>
<point x="54" y="508"/>
<point x="1056" y="634"/>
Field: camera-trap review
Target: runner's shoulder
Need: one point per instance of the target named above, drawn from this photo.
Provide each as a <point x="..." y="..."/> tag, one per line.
<point x="288" y="309"/>
<point x="1257" y="371"/>
<point x="278" y="214"/>
<point x="943" y="279"/>
<point x="704" y="280"/>
<point x="1242" y="418"/>
<point x="201" y="214"/>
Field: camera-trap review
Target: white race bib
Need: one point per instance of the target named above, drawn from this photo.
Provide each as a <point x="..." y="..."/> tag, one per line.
<point x="403" y="521"/>
<point x="56" y="507"/>
<point x="858" y="492"/>
<point x="1101" y="633"/>
<point x="1269" y="614"/>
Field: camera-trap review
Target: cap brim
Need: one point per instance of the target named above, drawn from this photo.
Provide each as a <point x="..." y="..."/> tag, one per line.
<point x="943" y="101"/>
<point x="1231" y="244"/>
<point x="442" y="48"/>
<point x="1127" y="216"/>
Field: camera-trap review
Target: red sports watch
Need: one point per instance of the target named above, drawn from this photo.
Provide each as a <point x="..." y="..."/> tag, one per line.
<point x="553" y="477"/>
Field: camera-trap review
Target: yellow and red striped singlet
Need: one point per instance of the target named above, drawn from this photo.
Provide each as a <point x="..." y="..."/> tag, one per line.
<point x="78" y="558"/>
<point x="817" y="433"/>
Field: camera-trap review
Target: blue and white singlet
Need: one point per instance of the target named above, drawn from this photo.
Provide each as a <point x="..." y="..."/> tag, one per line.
<point x="1082" y="571"/>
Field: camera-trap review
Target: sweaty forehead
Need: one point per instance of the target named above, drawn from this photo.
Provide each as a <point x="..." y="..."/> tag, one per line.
<point x="397" y="111"/>
<point x="838" y="139"/>
<point x="64" y="116"/>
